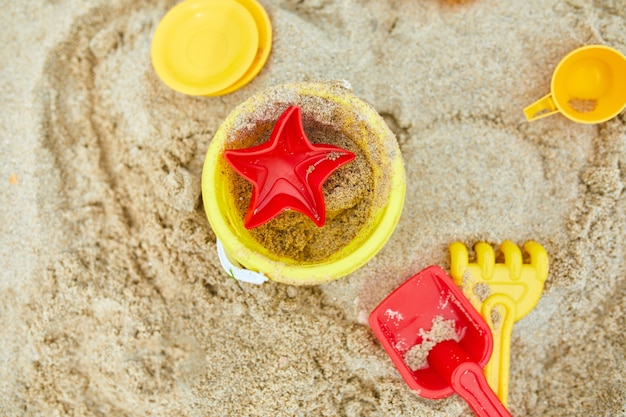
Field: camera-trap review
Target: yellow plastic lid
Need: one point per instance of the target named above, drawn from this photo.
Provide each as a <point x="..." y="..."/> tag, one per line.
<point x="265" y="45"/>
<point x="201" y="47"/>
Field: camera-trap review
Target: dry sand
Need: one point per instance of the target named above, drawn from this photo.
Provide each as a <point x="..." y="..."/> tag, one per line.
<point x="112" y="301"/>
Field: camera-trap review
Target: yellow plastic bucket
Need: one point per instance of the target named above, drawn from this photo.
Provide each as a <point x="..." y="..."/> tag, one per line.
<point x="588" y="86"/>
<point x="356" y="120"/>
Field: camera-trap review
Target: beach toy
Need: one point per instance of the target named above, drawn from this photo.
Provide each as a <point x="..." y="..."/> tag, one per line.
<point x="503" y="293"/>
<point x="588" y="86"/>
<point x="429" y="315"/>
<point x="329" y="104"/>
<point x="211" y="47"/>
<point x="287" y="171"/>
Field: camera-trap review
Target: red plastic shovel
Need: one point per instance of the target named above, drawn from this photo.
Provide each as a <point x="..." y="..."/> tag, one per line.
<point x="402" y="319"/>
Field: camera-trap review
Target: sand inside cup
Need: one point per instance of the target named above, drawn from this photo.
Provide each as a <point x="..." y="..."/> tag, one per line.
<point x="582" y="105"/>
<point x="348" y="194"/>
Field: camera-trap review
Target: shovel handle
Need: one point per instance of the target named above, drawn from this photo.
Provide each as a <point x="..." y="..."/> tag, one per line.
<point x="450" y="361"/>
<point x="469" y="382"/>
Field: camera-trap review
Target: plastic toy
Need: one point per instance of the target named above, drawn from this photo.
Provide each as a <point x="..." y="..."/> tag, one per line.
<point x="588" y="86"/>
<point x="211" y="47"/>
<point x="503" y="293"/>
<point x="263" y="51"/>
<point x="350" y="116"/>
<point x="400" y="322"/>
<point x="236" y="271"/>
<point x="287" y="171"/>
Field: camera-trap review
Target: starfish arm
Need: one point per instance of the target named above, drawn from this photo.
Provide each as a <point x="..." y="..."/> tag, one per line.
<point x="250" y="170"/>
<point x="263" y="213"/>
<point x="315" y="170"/>
<point x="254" y="173"/>
<point x="292" y="134"/>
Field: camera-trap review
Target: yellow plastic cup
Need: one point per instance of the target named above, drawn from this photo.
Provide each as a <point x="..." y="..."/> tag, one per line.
<point x="358" y="121"/>
<point x="588" y="86"/>
<point x="211" y="47"/>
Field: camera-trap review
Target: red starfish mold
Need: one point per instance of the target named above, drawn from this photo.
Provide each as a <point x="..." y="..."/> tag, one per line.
<point x="287" y="172"/>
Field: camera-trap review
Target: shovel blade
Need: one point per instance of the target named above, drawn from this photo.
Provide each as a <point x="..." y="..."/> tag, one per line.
<point x="411" y="309"/>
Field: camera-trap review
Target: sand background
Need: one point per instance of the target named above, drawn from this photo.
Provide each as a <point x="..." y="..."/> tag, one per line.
<point x="112" y="301"/>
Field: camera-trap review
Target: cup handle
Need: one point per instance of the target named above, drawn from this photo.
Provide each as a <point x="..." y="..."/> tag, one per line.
<point x="541" y="108"/>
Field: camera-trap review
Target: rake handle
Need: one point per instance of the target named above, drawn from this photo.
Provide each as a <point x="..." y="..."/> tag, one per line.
<point x="497" y="369"/>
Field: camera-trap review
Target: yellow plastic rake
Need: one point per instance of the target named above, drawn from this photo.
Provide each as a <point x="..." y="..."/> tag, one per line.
<point x="503" y="293"/>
